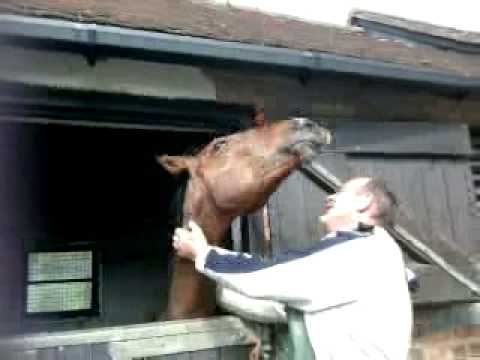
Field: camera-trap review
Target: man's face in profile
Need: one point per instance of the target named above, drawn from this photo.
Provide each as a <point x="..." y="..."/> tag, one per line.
<point x="342" y="206"/>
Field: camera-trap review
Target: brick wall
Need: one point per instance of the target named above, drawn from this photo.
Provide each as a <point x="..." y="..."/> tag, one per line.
<point x="459" y="343"/>
<point x="450" y="332"/>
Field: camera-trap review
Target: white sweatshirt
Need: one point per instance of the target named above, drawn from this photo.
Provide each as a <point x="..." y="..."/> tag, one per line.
<point x="351" y="287"/>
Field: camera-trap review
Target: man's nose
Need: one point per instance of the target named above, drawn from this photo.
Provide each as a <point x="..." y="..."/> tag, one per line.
<point x="330" y="198"/>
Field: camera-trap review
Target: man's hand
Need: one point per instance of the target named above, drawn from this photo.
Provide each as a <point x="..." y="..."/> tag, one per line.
<point x="189" y="242"/>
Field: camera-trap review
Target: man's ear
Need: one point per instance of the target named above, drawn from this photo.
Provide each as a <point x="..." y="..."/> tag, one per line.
<point x="259" y="119"/>
<point x="364" y="202"/>
<point x="175" y="165"/>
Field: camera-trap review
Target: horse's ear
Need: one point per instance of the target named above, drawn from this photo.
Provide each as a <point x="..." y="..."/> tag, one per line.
<point x="259" y="117"/>
<point x="175" y="165"/>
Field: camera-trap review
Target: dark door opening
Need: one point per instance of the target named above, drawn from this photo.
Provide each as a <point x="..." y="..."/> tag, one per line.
<point x="91" y="188"/>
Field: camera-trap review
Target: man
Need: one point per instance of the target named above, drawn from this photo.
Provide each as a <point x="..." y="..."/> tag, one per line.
<point x="351" y="285"/>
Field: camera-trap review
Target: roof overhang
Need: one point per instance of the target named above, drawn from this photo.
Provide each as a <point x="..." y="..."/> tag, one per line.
<point x="417" y="32"/>
<point x="99" y="41"/>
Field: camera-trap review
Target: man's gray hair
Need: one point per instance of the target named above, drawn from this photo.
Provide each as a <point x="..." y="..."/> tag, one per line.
<point x="385" y="200"/>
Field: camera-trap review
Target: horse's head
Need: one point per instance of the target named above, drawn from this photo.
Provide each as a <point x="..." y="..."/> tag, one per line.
<point x="235" y="174"/>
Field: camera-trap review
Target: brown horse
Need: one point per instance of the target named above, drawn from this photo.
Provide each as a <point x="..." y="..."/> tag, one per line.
<point x="232" y="176"/>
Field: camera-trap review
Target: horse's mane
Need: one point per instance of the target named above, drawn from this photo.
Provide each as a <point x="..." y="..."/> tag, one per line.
<point x="176" y="204"/>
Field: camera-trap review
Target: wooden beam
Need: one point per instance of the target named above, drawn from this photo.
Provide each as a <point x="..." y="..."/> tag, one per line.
<point x="234" y="331"/>
<point x="438" y="287"/>
<point x="174" y="344"/>
<point x="394" y="138"/>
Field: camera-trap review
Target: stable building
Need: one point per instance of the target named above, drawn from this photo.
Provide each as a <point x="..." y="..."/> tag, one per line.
<point x="91" y="92"/>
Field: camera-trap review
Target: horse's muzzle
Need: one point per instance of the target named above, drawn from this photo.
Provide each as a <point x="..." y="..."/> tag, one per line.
<point x="308" y="137"/>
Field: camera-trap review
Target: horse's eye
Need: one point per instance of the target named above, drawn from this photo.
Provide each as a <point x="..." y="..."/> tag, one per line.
<point x="218" y="144"/>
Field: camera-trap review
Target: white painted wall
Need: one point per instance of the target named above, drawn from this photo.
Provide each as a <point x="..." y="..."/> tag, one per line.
<point x="71" y="71"/>
<point x="460" y="14"/>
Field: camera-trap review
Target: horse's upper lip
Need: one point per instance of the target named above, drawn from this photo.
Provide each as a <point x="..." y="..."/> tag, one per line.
<point x="308" y="141"/>
<point x="305" y="142"/>
<point x="304" y="148"/>
<point x="318" y="137"/>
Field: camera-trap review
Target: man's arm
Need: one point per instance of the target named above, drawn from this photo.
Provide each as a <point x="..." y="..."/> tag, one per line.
<point x="308" y="282"/>
<point x="265" y="311"/>
<point x="247" y="274"/>
<point x="297" y="281"/>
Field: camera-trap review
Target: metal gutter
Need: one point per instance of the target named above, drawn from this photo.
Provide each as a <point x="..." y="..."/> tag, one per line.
<point x="97" y="41"/>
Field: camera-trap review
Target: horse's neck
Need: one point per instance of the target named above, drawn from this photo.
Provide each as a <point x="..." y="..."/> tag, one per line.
<point x="214" y="225"/>
<point x="191" y="294"/>
<point x="203" y="211"/>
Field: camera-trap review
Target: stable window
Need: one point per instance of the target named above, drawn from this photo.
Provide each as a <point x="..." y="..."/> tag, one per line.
<point x="60" y="282"/>
<point x="475" y="168"/>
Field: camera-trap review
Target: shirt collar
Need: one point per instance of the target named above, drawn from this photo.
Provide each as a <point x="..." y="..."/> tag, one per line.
<point x="358" y="229"/>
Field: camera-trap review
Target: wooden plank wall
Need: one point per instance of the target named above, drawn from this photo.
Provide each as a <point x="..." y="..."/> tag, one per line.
<point x="432" y="189"/>
<point x="425" y="164"/>
<point x="294" y="208"/>
<point x="475" y="186"/>
<point x="433" y="197"/>
<point x="100" y="352"/>
<point x="377" y="137"/>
